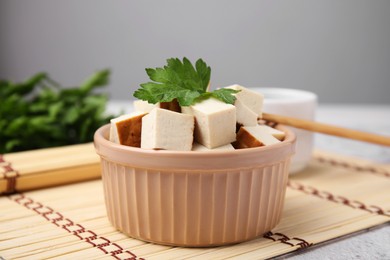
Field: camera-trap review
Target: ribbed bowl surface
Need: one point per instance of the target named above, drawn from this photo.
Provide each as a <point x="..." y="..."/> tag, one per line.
<point x="190" y="203"/>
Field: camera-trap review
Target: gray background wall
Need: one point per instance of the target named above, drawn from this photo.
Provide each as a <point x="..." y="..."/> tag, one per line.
<point x="338" y="49"/>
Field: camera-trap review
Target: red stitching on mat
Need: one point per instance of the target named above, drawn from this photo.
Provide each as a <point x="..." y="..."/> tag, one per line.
<point x="378" y="210"/>
<point x="92" y="236"/>
<point x="359" y="168"/>
<point x="303" y="243"/>
<point x="269" y="235"/>
<point x="337" y="199"/>
<point x="64" y="222"/>
<point x="9" y="174"/>
<point x="286" y="240"/>
<point x="105" y="243"/>
<point x="54" y="217"/>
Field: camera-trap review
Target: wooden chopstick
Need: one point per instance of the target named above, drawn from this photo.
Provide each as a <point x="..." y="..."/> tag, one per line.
<point x="328" y="129"/>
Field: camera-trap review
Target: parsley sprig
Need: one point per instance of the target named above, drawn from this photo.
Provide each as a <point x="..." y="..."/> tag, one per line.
<point x="40" y="113"/>
<point x="182" y="81"/>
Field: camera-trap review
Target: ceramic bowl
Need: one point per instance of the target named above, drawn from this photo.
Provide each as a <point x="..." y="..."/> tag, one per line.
<point x="194" y="199"/>
<point x="294" y="103"/>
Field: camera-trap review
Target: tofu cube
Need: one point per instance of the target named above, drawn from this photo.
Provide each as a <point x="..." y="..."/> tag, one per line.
<point x="253" y="100"/>
<point x="245" y="116"/>
<point x="199" y="147"/>
<point x="215" y="122"/>
<point x="274" y="132"/>
<point x="126" y="129"/>
<point x="172" y="105"/>
<point x="144" y="106"/>
<point x="167" y="130"/>
<point x="254" y="136"/>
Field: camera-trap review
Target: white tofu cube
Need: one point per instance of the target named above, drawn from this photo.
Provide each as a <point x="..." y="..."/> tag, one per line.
<point x="126" y="129"/>
<point x="144" y="106"/>
<point x="167" y="130"/>
<point x="253" y="100"/>
<point x="215" y="122"/>
<point x="245" y="116"/>
<point x="254" y="136"/>
<point x="199" y="147"/>
<point x="274" y="132"/>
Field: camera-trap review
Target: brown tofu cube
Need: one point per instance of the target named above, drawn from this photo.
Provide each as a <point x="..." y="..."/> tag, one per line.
<point x="126" y="129"/>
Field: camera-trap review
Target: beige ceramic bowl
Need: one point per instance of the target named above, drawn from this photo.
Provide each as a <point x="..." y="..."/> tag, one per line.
<point x="194" y="199"/>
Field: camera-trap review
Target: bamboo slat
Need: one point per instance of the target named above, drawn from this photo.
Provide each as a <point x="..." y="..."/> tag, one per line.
<point x="333" y="197"/>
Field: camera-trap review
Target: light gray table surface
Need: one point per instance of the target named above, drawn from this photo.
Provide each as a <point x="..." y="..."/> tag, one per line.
<point x="372" y="243"/>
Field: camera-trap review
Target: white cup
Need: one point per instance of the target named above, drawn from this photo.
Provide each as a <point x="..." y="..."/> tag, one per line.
<point x="295" y="103"/>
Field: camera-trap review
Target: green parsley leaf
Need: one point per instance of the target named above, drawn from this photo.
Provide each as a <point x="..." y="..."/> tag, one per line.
<point x="182" y="81"/>
<point x="225" y="95"/>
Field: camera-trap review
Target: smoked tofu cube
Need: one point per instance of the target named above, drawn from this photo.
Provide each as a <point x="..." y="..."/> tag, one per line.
<point x="254" y="136"/>
<point x="215" y="122"/>
<point x="253" y="100"/>
<point x="172" y="105"/>
<point x="274" y="132"/>
<point x="167" y="130"/>
<point x="199" y="147"/>
<point x="126" y="129"/>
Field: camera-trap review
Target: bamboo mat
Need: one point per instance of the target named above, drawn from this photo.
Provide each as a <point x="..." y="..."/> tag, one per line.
<point x="48" y="167"/>
<point x="333" y="197"/>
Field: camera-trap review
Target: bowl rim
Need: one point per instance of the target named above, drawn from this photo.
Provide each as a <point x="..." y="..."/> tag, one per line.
<point x="116" y="153"/>
<point x="100" y="133"/>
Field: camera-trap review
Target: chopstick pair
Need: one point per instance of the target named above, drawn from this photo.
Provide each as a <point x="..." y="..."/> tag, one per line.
<point x="328" y="129"/>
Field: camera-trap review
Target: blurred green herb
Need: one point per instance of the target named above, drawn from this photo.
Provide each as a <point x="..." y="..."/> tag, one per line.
<point x="40" y="113"/>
